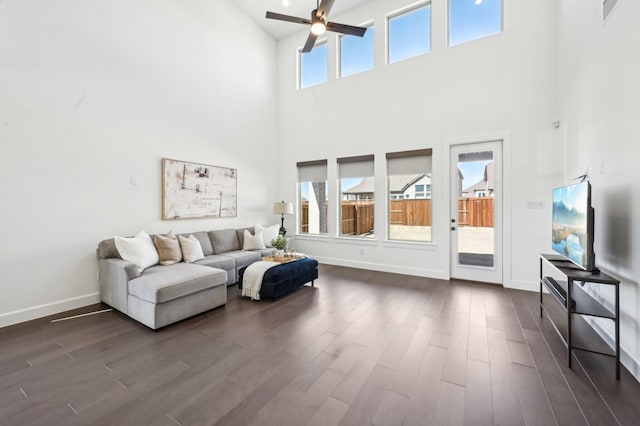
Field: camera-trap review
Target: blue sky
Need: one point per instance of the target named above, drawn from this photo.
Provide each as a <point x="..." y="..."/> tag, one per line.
<point x="313" y="66"/>
<point x="468" y="20"/>
<point x="410" y="34"/>
<point x="473" y="172"/>
<point x="356" y="53"/>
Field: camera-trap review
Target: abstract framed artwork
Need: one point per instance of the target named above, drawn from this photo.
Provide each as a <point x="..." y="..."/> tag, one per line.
<point x="193" y="190"/>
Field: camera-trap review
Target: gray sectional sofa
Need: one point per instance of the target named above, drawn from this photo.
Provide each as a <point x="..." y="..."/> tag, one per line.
<point x="161" y="295"/>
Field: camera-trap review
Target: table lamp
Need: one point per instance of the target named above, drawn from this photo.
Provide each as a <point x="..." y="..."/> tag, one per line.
<point x="282" y="208"/>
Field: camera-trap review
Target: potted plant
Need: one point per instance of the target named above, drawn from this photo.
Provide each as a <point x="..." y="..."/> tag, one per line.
<point x="280" y="244"/>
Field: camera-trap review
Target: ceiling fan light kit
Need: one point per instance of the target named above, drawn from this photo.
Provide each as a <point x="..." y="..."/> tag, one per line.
<point x="318" y="24"/>
<point x="318" y="27"/>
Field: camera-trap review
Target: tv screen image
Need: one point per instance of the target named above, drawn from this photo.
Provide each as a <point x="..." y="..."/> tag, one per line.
<point x="572" y="224"/>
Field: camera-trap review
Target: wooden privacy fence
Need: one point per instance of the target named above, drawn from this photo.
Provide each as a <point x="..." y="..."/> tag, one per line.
<point x="305" y="216"/>
<point x="410" y="212"/>
<point x="476" y="211"/>
<point x="357" y="216"/>
<point x="304" y="219"/>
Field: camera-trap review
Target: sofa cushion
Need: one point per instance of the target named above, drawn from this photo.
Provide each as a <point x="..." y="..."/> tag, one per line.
<point x="205" y="242"/>
<point x="191" y="248"/>
<point x="268" y="233"/>
<point x="168" y="248"/>
<point x="160" y="284"/>
<point x="224" y="240"/>
<point x="218" y="261"/>
<point x="269" y="251"/>
<point x="253" y="242"/>
<point x="240" y="234"/>
<point x="244" y="258"/>
<point x="203" y="239"/>
<point x="107" y="249"/>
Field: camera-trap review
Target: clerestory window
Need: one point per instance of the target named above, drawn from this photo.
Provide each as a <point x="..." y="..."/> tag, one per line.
<point x="409" y="33"/>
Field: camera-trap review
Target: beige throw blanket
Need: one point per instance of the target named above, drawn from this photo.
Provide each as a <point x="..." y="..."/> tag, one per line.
<point x="252" y="278"/>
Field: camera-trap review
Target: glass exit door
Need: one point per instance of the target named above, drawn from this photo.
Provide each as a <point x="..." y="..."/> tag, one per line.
<point x="476" y="205"/>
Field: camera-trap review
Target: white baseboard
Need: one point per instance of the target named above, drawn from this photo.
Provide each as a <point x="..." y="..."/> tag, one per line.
<point x="632" y="364"/>
<point x="40" y="311"/>
<point x="406" y="270"/>
<point x="523" y="285"/>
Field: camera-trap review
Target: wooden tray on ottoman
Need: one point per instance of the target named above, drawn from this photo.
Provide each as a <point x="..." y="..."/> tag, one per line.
<point x="285" y="259"/>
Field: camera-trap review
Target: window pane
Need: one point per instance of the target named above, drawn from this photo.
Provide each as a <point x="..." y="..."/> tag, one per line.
<point x="314" y="68"/>
<point x="409" y="209"/>
<point x="410" y="34"/>
<point x="357" y="206"/>
<point x="409" y="186"/>
<point x="472" y="19"/>
<point x="313" y="207"/>
<point x="356" y="53"/>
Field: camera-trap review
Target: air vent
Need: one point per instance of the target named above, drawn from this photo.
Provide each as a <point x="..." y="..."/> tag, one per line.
<point x="607" y="8"/>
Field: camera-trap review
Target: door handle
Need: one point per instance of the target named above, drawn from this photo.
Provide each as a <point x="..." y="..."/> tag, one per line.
<point x="453" y="221"/>
<point x="453" y="228"/>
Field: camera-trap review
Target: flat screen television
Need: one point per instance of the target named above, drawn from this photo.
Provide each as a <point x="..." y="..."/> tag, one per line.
<point x="572" y="223"/>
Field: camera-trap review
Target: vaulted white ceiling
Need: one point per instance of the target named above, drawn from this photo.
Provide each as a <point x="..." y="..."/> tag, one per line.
<point x="256" y="10"/>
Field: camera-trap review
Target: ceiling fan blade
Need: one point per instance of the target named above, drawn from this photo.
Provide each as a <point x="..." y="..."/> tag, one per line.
<point x="325" y="8"/>
<point x="346" y="29"/>
<point x="311" y="41"/>
<point x="281" y="17"/>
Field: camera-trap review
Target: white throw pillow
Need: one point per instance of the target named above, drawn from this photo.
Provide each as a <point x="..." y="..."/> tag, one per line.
<point x="253" y="242"/>
<point x="268" y="233"/>
<point x="191" y="249"/>
<point x="139" y="250"/>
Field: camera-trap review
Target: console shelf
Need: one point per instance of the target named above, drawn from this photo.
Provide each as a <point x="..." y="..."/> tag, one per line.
<point x="575" y="303"/>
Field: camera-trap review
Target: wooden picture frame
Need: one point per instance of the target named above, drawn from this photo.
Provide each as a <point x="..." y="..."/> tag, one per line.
<point x="195" y="190"/>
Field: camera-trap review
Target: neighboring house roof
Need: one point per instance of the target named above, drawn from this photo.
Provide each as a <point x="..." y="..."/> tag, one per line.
<point x="487" y="182"/>
<point x="364" y="187"/>
<point x="400" y="183"/>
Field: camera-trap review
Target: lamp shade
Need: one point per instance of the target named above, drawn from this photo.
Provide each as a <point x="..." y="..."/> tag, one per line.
<point x="282" y="208"/>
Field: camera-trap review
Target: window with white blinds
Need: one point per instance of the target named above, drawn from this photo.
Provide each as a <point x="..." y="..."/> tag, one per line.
<point x="357" y="201"/>
<point x="313" y="204"/>
<point x="409" y="188"/>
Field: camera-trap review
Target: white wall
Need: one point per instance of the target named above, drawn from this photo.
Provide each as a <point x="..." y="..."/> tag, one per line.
<point x="600" y="104"/>
<point x="500" y="86"/>
<point x="94" y="92"/>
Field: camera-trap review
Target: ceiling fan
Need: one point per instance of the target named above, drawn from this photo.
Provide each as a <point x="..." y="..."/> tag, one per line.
<point x="319" y="23"/>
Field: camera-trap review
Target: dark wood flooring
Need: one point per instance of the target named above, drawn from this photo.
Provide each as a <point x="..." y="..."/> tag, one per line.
<point x="360" y="348"/>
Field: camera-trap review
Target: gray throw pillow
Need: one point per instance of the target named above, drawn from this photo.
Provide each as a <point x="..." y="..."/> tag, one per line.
<point x="224" y="240"/>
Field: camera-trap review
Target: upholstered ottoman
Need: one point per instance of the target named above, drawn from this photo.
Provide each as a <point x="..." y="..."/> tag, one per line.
<point x="286" y="277"/>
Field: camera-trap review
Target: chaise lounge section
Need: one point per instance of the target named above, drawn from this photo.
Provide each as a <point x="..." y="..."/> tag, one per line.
<point x="161" y="295"/>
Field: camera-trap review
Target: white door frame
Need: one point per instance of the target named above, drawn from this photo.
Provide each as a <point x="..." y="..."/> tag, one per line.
<point x="496" y="273"/>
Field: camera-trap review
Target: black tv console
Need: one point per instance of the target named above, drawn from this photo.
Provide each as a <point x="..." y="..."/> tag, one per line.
<point x="576" y="303"/>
